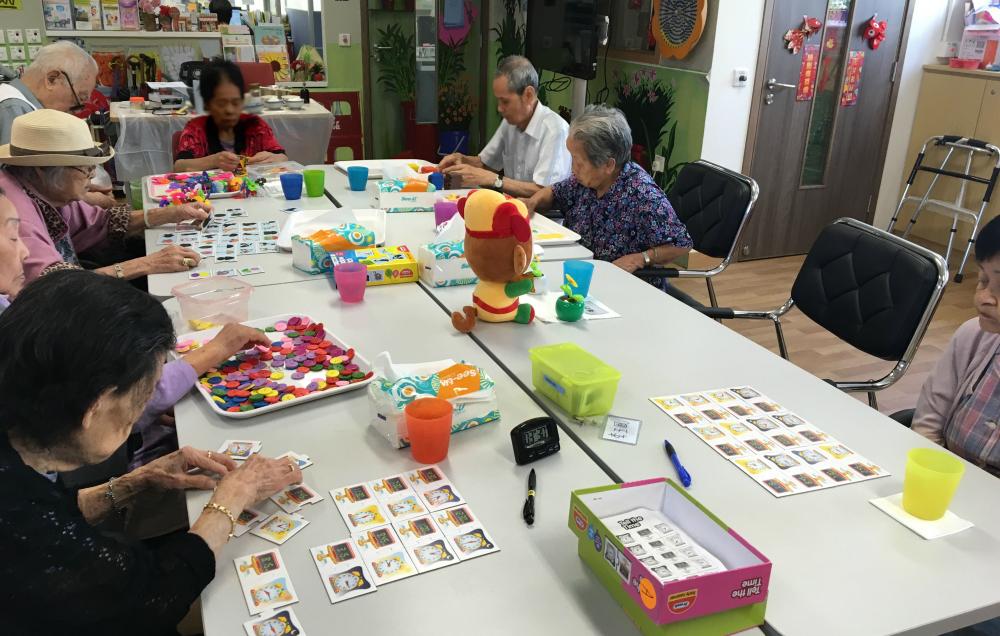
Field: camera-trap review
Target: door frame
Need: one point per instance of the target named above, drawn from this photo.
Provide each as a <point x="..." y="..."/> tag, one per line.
<point x="366" y="81"/>
<point x="756" y="105"/>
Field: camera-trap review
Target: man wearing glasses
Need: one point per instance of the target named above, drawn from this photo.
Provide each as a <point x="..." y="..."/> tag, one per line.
<point x="61" y="77"/>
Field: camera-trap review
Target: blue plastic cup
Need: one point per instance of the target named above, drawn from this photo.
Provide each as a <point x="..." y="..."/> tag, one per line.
<point x="437" y="179"/>
<point x="357" y="176"/>
<point x="581" y="272"/>
<point x="291" y="186"/>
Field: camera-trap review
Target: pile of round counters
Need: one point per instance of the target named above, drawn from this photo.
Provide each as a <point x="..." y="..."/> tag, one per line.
<point x="300" y="361"/>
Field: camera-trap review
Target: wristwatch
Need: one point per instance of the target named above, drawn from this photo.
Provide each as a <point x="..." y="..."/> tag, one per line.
<point x="645" y="258"/>
<point x="498" y="184"/>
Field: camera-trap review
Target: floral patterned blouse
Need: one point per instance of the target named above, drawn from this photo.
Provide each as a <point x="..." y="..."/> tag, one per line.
<point x="634" y="215"/>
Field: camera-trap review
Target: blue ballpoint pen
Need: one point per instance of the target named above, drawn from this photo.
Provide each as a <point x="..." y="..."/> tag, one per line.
<point x="675" y="460"/>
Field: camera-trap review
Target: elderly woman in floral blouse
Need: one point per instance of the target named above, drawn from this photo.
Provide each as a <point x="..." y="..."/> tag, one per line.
<point x="48" y="164"/>
<point x="613" y="204"/>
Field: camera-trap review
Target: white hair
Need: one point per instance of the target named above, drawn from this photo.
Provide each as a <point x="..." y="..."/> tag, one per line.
<point x="520" y="73"/>
<point x="604" y="133"/>
<point x="62" y="56"/>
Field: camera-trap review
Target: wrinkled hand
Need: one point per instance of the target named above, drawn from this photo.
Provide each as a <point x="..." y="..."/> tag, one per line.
<point x="471" y="176"/>
<point x="171" y="259"/>
<point x="630" y="262"/>
<point x="226" y="160"/>
<point x="531" y="204"/>
<point x="100" y="199"/>
<point x="172" y="472"/>
<point x="263" y="157"/>
<point x="447" y="161"/>
<point x="234" y="338"/>
<point x="260" y="477"/>
<point x="187" y="212"/>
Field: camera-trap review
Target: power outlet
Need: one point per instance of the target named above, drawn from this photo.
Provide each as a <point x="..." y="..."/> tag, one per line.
<point x="344" y="39"/>
<point x="740" y="77"/>
<point x="659" y="163"/>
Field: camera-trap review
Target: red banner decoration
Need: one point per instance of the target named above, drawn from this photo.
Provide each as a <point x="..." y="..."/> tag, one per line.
<point x="852" y="79"/>
<point x="795" y="38"/>
<point x="806" y="88"/>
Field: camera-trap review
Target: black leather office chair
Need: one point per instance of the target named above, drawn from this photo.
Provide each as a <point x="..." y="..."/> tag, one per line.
<point x="874" y="290"/>
<point x="715" y="204"/>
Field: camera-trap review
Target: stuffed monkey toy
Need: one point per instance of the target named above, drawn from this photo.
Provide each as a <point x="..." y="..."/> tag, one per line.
<point x="498" y="248"/>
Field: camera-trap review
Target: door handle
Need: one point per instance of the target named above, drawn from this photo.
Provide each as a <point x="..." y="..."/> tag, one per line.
<point x="773" y="84"/>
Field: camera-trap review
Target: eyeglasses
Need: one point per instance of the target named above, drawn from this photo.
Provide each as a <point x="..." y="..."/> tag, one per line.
<point x="78" y="106"/>
<point x="89" y="171"/>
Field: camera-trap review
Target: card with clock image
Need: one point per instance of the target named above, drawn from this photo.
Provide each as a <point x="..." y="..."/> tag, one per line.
<point x="426" y="544"/>
<point x="294" y="497"/>
<point x="240" y="449"/>
<point x="359" y="507"/>
<point x="435" y="490"/>
<point x="687" y="418"/>
<point x="344" y="574"/>
<point x="302" y="460"/>
<point x="384" y="554"/>
<point x="465" y="533"/>
<point x="280" y="527"/>
<point x="281" y="623"/>
<point x="246" y="520"/>
<point x="265" y="581"/>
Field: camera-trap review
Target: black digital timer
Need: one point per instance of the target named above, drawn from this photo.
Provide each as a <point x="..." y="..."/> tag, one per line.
<point x="534" y="439"/>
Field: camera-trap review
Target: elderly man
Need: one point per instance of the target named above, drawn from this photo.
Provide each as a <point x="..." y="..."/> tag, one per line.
<point x="530" y="144"/>
<point x="61" y="77"/>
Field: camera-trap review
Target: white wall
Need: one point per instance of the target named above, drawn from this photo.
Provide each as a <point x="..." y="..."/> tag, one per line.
<point x="922" y="47"/>
<point x="737" y="39"/>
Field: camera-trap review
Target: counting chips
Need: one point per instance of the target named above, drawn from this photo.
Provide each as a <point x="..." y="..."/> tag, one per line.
<point x="301" y="361"/>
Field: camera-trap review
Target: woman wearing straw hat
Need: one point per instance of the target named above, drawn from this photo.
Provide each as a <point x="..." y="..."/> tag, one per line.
<point x="47" y="166"/>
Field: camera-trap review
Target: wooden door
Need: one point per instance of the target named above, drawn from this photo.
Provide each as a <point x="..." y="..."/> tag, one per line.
<point x="818" y="146"/>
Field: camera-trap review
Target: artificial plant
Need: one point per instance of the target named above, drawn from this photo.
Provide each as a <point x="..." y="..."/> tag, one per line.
<point x="647" y="103"/>
<point x="511" y="31"/>
<point x="397" y="61"/>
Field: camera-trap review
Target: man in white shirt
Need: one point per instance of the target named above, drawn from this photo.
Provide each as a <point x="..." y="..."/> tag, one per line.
<point x="529" y="146"/>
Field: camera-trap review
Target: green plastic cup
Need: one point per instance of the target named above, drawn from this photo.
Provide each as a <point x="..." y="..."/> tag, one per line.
<point x="315" y="182"/>
<point x="932" y="476"/>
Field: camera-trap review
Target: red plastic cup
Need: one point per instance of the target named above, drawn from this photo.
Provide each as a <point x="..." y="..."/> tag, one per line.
<point x="428" y="425"/>
<point x="351" y="279"/>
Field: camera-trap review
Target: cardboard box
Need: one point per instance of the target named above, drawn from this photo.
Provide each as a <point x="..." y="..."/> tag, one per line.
<point x="474" y="406"/>
<point x="58" y="15"/>
<point x="386" y="265"/>
<point x="718" y="603"/>
<point x="443" y="264"/>
<point x="387" y="196"/>
<point x="981" y="42"/>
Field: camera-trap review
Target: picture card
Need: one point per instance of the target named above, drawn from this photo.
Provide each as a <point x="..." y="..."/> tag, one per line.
<point x="280" y="527"/>
<point x="293" y="498"/>
<point x="246" y="520"/>
<point x="358" y="507"/>
<point x="465" y="533"/>
<point x="397" y="497"/>
<point x="434" y="489"/>
<point x="240" y="449"/>
<point x="622" y="429"/>
<point x="344" y="574"/>
<point x="281" y="623"/>
<point x="426" y="544"/>
<point x="302" y="460"/>
<point x="384" y="554"/>
<point x="265" y="582"/>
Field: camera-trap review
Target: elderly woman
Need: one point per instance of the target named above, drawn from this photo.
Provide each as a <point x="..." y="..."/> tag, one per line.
<point x="99" y="583"/>
<point x="960" y="399"/>
<point x="12" y="252"/>
<point x="48" y="165"/>
<point x="613" y="204"/>
<point x="220" y="138"/>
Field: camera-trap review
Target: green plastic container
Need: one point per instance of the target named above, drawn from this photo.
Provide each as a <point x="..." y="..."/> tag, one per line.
<point x="581" y="384"/>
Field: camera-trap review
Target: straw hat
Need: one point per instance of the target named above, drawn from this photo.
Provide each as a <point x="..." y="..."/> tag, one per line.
<point x="52" y="138"/>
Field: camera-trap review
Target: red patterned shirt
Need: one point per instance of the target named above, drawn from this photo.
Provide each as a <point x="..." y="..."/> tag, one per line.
<point x="200" y="138"/>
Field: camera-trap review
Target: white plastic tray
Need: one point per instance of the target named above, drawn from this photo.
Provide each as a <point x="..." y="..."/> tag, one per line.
<point x="363" y="365"/>
<point x="547" y="232"/>
<point x="309" y="221"/>
<point x="375" y="165"/>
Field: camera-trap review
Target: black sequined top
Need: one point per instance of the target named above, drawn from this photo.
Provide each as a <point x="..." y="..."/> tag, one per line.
<point x="65" y="577"/>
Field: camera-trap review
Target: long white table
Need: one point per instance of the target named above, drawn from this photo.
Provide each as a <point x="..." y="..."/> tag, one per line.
<point x="418" y="227"/>
<point x="841" y="566"/>
<point x="536" y="585"/>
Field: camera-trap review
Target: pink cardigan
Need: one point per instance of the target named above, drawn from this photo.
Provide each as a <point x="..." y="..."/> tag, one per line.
<point x="87" y="226"/>
<point x="954" y="376"/>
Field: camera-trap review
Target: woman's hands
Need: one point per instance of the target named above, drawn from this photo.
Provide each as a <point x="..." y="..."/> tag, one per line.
<point x="185" y="213"/>
<point x="266" y="157"/>
<point x="173" y="471"/>
<point x="630" y="262"/>
<point x="226" y="160"/>
<point x="170" y="259"/>
<point x="257" y="479"/>
<point x="233" y="338"/>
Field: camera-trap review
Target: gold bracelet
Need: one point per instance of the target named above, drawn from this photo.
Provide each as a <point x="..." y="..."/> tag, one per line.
<point x="119" y="272"/>
<point x="232" y="520"/>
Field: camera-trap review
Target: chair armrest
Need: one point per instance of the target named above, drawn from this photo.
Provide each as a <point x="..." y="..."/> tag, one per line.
<point x="656" y="272"/>
<point x="904" y="417"/>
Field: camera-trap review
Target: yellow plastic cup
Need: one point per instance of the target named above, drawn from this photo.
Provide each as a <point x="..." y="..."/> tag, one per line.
<point x="932" y="476"/>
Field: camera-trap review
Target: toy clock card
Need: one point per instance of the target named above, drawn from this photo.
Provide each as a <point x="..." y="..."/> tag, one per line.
<point x="265" y="582"/>
<point x="345" y="575"/>
<point x="778" y="449"/>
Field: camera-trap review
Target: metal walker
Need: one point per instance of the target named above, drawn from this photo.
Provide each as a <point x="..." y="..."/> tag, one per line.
<point x="955" y="209"/>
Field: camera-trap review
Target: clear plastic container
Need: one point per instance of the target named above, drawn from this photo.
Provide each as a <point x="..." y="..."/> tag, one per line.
<point x="214" y="301"/>
<point x="580" y="383"/>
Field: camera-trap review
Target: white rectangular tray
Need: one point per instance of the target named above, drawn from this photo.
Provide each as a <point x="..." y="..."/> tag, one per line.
<point x="547" y="232"/>
<point x="363" y="365"/>
<point x="375" y="165"/>
<point x="309" y="221"/>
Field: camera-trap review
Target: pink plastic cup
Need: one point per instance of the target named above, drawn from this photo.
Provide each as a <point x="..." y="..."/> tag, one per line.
<point x="351" y="279"/>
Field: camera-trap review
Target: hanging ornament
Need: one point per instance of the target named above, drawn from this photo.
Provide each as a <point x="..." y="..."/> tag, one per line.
<point x="795" y="38"/>
<point x="874" y="32"/>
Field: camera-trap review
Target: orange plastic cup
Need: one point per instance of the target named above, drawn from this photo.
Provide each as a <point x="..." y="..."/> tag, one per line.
<point x="428" y="425"/>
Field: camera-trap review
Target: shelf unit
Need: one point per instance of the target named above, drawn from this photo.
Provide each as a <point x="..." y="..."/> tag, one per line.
<point x="155" y="35"/>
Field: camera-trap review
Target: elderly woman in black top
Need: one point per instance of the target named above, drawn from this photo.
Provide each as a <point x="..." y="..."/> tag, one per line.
<point x="70" y="396"/>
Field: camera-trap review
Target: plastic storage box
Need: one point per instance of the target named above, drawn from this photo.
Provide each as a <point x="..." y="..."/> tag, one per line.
<point x="213" y="301"/>
<point x="580" y="383"/>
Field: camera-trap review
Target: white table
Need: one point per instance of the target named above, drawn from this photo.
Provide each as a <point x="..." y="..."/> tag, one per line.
<point x="277" y="267"/>
<point x="417" y="228"/>
<point x="841" y="566"/>
<point x="144" y="139"/>
<point x="536" y="585"/>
